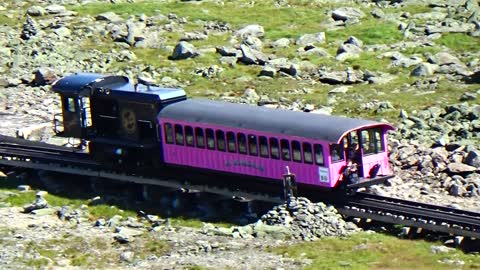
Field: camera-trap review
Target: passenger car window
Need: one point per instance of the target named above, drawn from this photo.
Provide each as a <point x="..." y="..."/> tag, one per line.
<point x="285" y="147"/>
<point x="378" y="141"/>
<point x="168" y="133"/>
<point x="263" y="146"/>
<point x="372" y="141"/>
<point x="242" y="143"/>
<point x="296" y="151"/>
<point x="307" y="153"/>
<point x="274" y="152"/>
<point x="189" y="136"/>
<point x="336" y="151"/>
<point x="199" y="137"/>
<point x="210" y="138"/>
<point x="178" y="134"/>
<point x="252" y="145"/>
<point x="318" y="154"/>
<point x="220" y="135"/>
<point x="232" y="146"/>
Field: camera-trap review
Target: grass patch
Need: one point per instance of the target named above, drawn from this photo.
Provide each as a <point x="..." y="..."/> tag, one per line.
<point x="460" y="42"/>
<point x="370" y="31"/>
<point x="375" y="251"/>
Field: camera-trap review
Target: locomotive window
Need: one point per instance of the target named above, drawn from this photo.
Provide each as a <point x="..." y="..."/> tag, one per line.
<point x="318" y="154"/>
<point x="232" y="146"/>
<point x="336" y="151"/>
<point x="199" y="137"/>
<point x="252" y="145"/>
<point x="210" y="138"/>
<point x="274" y="152"/>
<point x="242" y="143"/>
<point x="307" y="153"/>
<point x="220" y="140"/>
<point x="297" y="153"/>
<point x="178" y="135"/>
<point x="168" y="133"/>
<point x="285" y="146"/>
<point x="189" y="136"/>
<point x="263" y="146"/>
<point x="70" y="105"/>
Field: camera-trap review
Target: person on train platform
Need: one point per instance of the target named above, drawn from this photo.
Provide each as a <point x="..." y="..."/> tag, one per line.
<point x="353" y="153"/>
<point x="350" y="173"/>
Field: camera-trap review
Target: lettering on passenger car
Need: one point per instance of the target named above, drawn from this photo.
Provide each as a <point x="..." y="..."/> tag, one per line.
<point x="244" y="163"/>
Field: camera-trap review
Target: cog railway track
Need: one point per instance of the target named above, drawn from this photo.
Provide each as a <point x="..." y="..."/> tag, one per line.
<point x="17" y="153"/>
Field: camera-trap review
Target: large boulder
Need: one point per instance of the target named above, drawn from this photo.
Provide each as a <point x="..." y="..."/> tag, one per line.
<point x="347" y="13"/>
<point x="184" y="50"/>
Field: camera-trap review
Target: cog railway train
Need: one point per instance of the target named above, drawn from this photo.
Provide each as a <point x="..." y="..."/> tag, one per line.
<point x="144" y="127"/>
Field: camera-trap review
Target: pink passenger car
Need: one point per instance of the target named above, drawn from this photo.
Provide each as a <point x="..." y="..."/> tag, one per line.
<point x="260" y="142"/>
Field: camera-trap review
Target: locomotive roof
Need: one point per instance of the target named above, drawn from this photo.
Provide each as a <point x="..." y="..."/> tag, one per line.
<point x="310" y="125"/>
<point x="90" y="84"/>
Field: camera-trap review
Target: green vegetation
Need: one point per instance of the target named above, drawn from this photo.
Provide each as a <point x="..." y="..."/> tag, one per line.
<point x="370" y="31"/>
<point x="459" y="42"/>
<point x="376" y="251"/>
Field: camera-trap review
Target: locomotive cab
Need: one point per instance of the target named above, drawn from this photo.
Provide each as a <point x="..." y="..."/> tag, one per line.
<point x="116" y="119"/>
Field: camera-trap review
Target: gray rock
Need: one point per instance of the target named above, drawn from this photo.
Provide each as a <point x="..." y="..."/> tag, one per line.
<point x="43" y="211"/>
<point x="109" y="16"/>
<point x="184" y="50"/>
<point x="347" y="51"/>
<point x="307" y="39"/>
<point x="251" y="30"/>
<point x="347" y="13"/>
<point x="460" y="168"/>
<point x="280" y="43"/>
<point x="62" y="32"/>
<point x="423" y="70"/>
<point x="189" y="36"/>
<point x="457" y="190"/>
<point x="471" y="5"/>
<point x="440" y="249"/>
<point x="377" y="13"/>
<point x="127" y="256"/>
<point x="354" y="41"/>
<point x="55" y="9"/>
<point x="253" y="42"/>
<point x="340" y="90"/>
<point x="226" y="51"/>
<point x="268" y="71"/>
<point x="473" y="159"/>
<point x="40" y="203"/>
<point x="468" y="96"/>
<point x="444" y="58"/>
<point x="44" y="76"/>
<point x="251" y="94"/>
<point x="36" y="11"/>
<point x="251" y="56"/>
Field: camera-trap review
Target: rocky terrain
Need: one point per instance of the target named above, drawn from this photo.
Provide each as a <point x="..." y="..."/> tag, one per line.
<point x="422" y="73"/>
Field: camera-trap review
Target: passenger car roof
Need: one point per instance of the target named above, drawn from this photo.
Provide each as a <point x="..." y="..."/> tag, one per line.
<point x="310" y="125"/>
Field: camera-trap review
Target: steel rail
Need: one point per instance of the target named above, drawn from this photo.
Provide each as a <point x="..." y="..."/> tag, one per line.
<point x="414" y="214"/>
